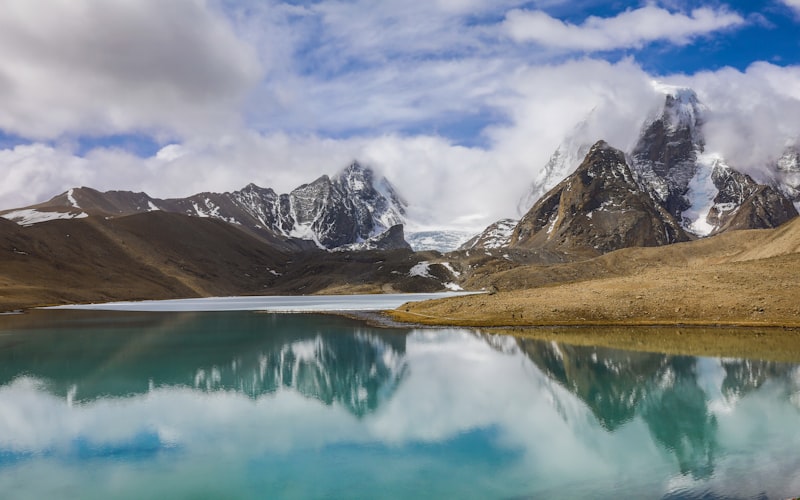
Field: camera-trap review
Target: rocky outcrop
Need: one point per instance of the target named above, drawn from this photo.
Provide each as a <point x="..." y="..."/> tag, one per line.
<point x="742" y="203"/>
<point x="391" y="239"/>
<point x="497" y="235"/>
<point x="597" y="209"/>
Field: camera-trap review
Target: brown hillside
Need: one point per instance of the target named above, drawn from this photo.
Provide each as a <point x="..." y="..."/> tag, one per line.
<point x="742" y="277"/>
<point x="147" y="256"/>
<point x="161" y="255"/>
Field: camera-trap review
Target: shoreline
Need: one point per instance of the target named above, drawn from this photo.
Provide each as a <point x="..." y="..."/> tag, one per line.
<point x="767" y="340"/>
<point x="769" y="343"/>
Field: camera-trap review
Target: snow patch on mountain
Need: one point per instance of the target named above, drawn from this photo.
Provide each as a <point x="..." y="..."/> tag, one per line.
<point x="450" y="268"/>
<point x="422" y="270"/>
<point x="701" y="194"/>
<point x="29" y="217"/>
<point x="71" y="198"/>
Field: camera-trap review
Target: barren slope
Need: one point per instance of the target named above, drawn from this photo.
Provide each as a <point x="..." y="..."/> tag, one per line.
<point x="743" y="277"/>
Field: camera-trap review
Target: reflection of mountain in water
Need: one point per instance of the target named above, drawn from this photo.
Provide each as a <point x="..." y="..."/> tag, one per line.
<point x="676" y="396"/>
<point x="121" y="354"/>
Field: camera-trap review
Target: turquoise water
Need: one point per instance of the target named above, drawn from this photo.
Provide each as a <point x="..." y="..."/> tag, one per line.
<point x="249" y="405"/>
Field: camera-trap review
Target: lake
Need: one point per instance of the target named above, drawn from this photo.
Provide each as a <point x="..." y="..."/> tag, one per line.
<point x="237" y="404"/>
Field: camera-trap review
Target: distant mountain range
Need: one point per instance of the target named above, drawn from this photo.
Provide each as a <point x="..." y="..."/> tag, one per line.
<point x="348" y="208"/>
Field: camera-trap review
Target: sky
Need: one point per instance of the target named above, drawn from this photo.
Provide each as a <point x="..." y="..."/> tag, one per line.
<point x="459" y="103"/>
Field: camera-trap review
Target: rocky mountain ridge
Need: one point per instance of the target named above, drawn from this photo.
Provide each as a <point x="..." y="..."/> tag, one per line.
<point x="348" y="208"/>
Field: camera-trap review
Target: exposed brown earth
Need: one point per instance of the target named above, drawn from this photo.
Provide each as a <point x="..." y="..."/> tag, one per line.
<point x="161" y="255"/>
<point x="148" y="256"/>
<point x="746" y="278"/>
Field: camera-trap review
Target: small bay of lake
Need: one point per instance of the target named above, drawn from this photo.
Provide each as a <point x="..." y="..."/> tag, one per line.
<point x="237" y="404"/>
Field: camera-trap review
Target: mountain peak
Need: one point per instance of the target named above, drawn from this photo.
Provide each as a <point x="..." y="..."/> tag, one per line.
<point x="677" y="92"/>
<point x="355" y="177"/>
<point x="597" y="209"/>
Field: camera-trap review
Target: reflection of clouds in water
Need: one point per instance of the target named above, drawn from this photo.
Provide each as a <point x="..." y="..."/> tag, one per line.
<point x="710" y="378"/>
<point x="457" y="390"/>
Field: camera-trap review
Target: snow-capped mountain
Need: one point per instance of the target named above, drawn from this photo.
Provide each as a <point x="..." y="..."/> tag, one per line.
<point x="670" y="163"/>
<point x="665" y="158"/>
<point x="699" y="188"/>
<point x="350" y="207"/>
<point x="497" y="235"/>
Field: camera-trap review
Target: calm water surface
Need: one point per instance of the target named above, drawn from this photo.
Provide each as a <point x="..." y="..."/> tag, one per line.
<point x="249" y="405"/>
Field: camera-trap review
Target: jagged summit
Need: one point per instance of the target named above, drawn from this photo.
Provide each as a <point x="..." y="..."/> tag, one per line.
<point x="681" y="105"/>
<point x="665" y="158"/>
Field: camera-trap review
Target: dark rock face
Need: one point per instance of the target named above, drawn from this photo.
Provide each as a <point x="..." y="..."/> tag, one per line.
<point x="351" y="207"/>
<point x="346" y="209"/>
<point x="597" y="209"/>
<point x="742" y="203"/>
<point x="391" y="239"/>
<point x="665" y="157"/>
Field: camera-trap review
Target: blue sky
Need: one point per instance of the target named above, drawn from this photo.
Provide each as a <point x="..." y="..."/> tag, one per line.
<point x="192" y="95"/>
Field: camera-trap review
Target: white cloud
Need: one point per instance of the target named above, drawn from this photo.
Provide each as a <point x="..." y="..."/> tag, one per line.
<point x="753" y="113"/>
<point x="99" y="67"/>
<point x="630" y="29"/>
<point x="447" y="184"/>
<point x="794" y="4"/>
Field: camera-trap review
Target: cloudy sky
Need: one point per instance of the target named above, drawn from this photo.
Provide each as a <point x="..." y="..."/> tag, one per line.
<point x="458" y="102"/>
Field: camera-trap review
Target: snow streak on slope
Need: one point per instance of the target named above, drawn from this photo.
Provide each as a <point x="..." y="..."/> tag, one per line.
<point x="29" y="217"/>
<point x="701" y="194"/>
